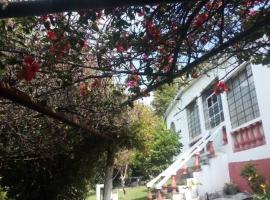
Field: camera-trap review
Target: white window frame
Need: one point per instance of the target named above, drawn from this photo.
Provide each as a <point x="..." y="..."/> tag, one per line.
<point x="242" y="98"/>
<point x="193" y="120"/>
<point x="213" y="114"/>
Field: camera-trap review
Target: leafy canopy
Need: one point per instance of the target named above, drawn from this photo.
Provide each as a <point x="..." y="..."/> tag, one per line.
<point x="160" y="147"/>
<point x="163" y="97"/>
<point x="139" y="47"/>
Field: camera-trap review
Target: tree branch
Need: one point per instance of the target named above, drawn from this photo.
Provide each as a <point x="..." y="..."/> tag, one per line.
<point x="259" y="25"/>
<point x="43" y="7"/>
<point x="23" y="99"/>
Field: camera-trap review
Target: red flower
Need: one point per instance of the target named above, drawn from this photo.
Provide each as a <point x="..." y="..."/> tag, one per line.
<point x="55" y="49"/>
<point x="83" y="89"/>
<point x="85" y="45"/>
<point x="82" y="13"/>
<point x="161" y="48"/>
<point x="145" y="57"/>
<point x="133" y="80"/>
<point x="170" y="43"/>
<point x="99" y="14"/>
<point x="135" y="77"/>
<point x="208" y="5"/>
<point x="169" y="58"/>
<point x="149" y="24"/>
<point x="30" y="68"/>
<point x="251" y="3"/>
<point x="200" y="19"/>
<point x="66" y="48"/>
<point x="44" y="18"/>
<point x="214" y="5"/>
<point x="252" y="13"/>
<point x="166" y="68"/>
<point x="60" y="49"/>
<point x="132" y="84"/>
<point x="220" y="87"/>
<point x="120" y="49"/>
<point x="96" y="83"/>
<point x="203" y="39"/>
<point x="151" y="30"/>
<point x="51" y="35"/>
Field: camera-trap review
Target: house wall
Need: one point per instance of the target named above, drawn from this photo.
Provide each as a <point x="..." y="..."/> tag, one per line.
<point x="262" y="84"/>
<point x="262" y="166"/>
<point x="219" y="175"/>
<point x="260" y="74"/>
<point x="186" y="97"/>
<point x="230" y="160"/>
<point x="260" y="156"/>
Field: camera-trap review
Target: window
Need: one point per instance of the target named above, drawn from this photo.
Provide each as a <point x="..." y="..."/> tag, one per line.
<point x="213" y="111"/>
<point x="242" y="99"/>
<point x="193" y="120"/>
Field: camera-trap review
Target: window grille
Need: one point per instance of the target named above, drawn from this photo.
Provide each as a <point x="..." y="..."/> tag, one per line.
<point x="193" y="120"/>
<point x="213" y="110"/>
<point x="242" y="98"/>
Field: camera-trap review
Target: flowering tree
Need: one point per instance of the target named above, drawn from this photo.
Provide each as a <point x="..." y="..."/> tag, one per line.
<point x="138" y="47"/>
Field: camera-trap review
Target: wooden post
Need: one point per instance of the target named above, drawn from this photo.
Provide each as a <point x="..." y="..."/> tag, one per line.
<point x="241" y="140"/>
<point x="248" y="140"/>
<point x="185" y="169"/>
<point x="174" y="184"/>
<point x="259" y="137"/>
<point x="197" y="162"/>
<point x="149" y="194"/>
<point x="236" y="143"/>
<point x="224" y="135"/>
<point x="244" y="139"/>
<point x="210" y="148"/>
<point x="251" y="136"/>
<point x="159" y="195"/>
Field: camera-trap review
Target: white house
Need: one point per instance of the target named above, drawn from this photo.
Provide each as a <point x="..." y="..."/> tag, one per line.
<point x="237" y="123"/>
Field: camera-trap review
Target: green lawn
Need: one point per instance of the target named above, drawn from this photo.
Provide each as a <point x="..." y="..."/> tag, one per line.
<point x="134" y="193"/>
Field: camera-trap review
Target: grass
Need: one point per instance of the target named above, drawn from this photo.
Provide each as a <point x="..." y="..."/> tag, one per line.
<point x="134" y="193"/>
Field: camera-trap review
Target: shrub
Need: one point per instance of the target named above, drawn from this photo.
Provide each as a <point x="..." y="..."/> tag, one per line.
<point x="265" y="196"/>
<point x="230" y="189"/>
<point x="256" y="181"/>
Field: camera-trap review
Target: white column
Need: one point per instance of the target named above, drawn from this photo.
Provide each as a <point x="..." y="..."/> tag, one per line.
<point x="98" y="190"/>
<point x="227" y="120"/>
<point x="201" y="115"/>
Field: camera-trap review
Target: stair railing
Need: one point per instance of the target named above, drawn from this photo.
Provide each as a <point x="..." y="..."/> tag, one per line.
<point x="182" y="159"/>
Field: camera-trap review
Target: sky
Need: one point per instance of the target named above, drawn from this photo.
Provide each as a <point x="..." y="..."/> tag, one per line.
<point x="147" y="100"/>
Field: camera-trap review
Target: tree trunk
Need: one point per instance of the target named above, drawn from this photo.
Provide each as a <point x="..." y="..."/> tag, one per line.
<point x="123" y="178"/>
<point x="108" y="184"/>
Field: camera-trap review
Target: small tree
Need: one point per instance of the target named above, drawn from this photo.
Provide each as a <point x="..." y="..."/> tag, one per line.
<point x="163" y="96"/>
<point x="161" y="146"/>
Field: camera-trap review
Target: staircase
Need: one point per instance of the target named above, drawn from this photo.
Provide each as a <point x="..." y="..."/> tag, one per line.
<point x="182" y="159"/>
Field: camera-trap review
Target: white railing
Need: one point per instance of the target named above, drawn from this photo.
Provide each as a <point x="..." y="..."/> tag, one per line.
<point x="182" y="160"/>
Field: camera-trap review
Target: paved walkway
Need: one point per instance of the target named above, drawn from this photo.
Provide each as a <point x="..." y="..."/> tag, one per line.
<point x="239" y="196"/>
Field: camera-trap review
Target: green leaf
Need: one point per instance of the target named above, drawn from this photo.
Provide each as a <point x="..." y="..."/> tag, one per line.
<point x="95" y="27"/>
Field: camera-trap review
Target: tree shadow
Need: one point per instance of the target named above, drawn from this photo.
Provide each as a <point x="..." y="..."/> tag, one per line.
<point x="140" y="198"/>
